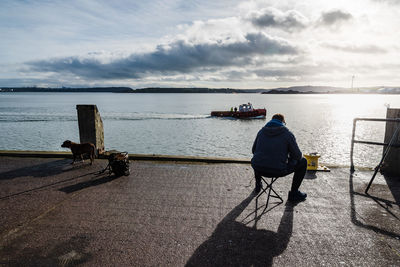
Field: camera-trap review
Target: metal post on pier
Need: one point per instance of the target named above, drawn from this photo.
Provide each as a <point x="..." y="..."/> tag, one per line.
<point x="386" y="164"/>
<point x="392" y="162"/>
<point x="353" y="141"/>
<point x="385" y="153"/>
<point x="352" y="145"/>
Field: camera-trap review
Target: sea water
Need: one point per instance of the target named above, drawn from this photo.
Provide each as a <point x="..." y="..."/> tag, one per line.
<point x="180" y="124"/>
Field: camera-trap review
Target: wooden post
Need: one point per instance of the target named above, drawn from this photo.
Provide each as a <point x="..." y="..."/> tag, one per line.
<point x="91" y="126"/>
<point x="391" y="165"/>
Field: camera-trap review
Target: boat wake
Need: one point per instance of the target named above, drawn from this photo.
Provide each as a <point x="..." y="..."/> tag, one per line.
<point x="154" y="116"/>
<point x="23" y="117"/>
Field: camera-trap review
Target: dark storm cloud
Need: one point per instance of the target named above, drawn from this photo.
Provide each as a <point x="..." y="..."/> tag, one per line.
<point x="277" y="73"/>
<point x="270" y="17"/>
<point x="20" y="82"/>
<point x="335" y="16"/>
<point x="178" y="57"/>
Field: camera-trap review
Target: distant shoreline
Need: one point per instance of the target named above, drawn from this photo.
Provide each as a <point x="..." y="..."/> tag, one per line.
<point x="283" y="90"/>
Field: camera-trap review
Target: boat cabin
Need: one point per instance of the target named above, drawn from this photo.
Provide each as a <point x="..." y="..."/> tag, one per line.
<point x="246" y="107"/>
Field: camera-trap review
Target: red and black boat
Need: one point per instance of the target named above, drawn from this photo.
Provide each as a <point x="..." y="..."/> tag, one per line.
<point x="245" y="111"/>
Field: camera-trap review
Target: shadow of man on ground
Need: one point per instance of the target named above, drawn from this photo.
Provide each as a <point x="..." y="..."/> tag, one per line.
<point x="235" y="244"/>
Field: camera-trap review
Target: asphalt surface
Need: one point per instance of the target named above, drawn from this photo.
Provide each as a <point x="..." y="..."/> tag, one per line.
<point x="191" y="214"/>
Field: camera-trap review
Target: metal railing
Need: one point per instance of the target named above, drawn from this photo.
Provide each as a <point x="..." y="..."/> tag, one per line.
<point x="367" y="142"/>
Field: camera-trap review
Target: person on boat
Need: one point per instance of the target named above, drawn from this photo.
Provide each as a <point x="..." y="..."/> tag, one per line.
<point x="276" y="154"/>
<point x="235" y="109"/>
<point x="250" y="106"/>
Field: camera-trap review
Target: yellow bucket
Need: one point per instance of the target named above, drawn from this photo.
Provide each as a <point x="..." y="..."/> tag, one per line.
<point x="312" y="161"/>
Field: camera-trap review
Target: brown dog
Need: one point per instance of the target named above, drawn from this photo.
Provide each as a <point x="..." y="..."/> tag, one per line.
<point x="80" y="149"/>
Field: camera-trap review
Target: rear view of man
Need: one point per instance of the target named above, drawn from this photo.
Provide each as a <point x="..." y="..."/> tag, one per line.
<point x="276" y="154"/>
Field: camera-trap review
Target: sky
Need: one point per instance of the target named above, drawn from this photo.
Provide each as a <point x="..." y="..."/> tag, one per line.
<point x="199" y="43"/>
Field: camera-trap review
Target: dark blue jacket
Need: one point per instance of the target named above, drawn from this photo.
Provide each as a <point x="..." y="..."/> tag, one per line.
<point x="275" y="149"/>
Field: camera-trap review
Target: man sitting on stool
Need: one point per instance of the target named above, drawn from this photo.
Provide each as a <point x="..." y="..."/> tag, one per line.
<point x="276" y="154"/>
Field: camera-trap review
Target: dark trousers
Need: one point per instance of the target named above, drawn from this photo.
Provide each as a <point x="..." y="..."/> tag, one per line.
<point x="299" y="172"/>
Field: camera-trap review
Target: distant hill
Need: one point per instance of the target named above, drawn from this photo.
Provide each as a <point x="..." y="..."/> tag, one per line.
<point x="381" y="90"/>
<point x="289" y="91"/>
<point x="332" y="90"/>
<point x="67" y="90"/>
<point x="196" y="90"/>
<point x="308" y="89"/>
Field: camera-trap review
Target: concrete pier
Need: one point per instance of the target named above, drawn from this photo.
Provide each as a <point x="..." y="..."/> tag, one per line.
<point x="190" y="214"/>
<point x="392" y="162"/>
<point x="90" y="126"/>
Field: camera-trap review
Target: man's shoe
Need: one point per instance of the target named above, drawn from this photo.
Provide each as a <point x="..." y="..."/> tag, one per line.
<point x="297" y="196"/>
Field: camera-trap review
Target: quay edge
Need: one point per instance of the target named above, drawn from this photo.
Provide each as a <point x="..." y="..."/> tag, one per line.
<point x="150" y="157"/>
<point x="146" y="157"/>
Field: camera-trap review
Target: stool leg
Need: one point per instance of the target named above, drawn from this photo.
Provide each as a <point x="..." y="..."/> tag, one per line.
<point x="269" y="188"/>
<point x="269" y="194"/>
<point x="276" y="195"/>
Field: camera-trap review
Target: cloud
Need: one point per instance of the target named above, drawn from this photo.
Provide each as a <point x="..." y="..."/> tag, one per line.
<point x="272" y="17"/>
<point x="177" y="57"/>
<point x="354" y="48"/>
<point x="198" y="42"/>
<point x="334" y="17"/>
<point x="393" y="2"/>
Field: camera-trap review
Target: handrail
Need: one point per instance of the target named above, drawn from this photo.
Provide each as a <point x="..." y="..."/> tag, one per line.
<point x="367" y="142"/>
